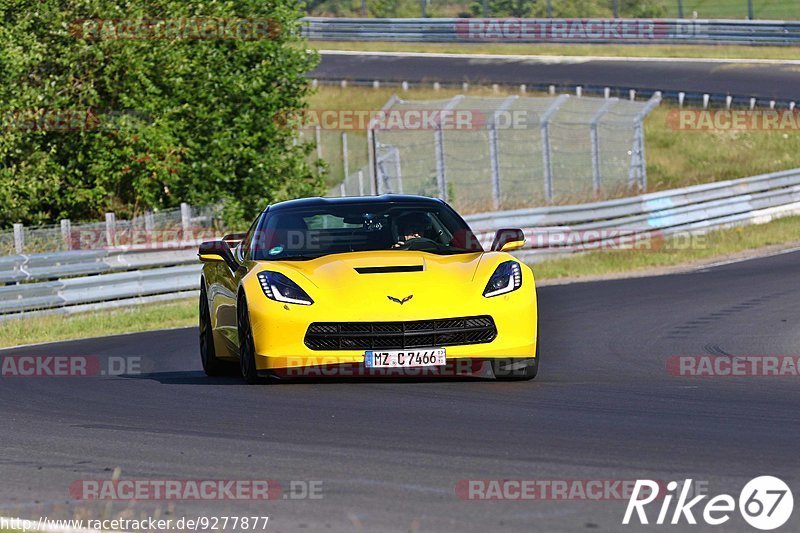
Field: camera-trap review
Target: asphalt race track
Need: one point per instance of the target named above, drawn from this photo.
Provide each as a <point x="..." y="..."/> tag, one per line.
<point x="390" y="454"/>
<point x="760" y="80"/>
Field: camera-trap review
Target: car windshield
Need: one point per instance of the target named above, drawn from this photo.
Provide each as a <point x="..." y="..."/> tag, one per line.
<point x="308" y="232"/>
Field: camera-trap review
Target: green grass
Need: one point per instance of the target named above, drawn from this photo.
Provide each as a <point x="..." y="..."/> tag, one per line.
<point x="736" y="9"/>
<point x="683" y="251"/>
<point x="612" y="50"/>
<point x="675" y="158"/>
<point x="146" y="317"/>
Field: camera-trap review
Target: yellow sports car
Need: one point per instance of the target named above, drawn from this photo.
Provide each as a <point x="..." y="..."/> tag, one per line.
<point x="385" y="285"/>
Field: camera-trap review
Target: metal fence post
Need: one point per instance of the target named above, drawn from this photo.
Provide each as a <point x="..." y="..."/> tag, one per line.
<point x="544" y="126"/>
<point x="19" y="238"/>
<point x="66" y="233"/>
<point x="381" y="176"/>
<point x="548" y="165"/>
<point x="636" y="153"/>
<point x="398" y="171"/>
<point x="642" y="160"/>
<point x="438" y="142"/>
<point x="494" y="153"/>
<point x="638" y="162"/>
<point x="372" y="152"/>
<point x="149" y="225"/>
<point x="111" y="229"/>
<point x="361" y="183"/>
<point x="318" y="133"/>
<point x="438" y="139"/>
<point x="373" y="168"/>
<point x="607" y="104"/>
<point x="186" y="220"/>
<point x="344" y="155"/>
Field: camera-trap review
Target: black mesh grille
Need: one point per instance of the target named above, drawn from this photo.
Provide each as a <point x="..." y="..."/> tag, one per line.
<point x="400" y="335"/>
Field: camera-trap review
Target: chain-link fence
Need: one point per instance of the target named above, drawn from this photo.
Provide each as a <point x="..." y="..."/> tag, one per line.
<point x="704" y="9"/>
<point x="483" y="153"/>
<point x="149" y="230"/>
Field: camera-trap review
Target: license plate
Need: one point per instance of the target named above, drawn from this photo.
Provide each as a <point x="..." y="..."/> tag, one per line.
<point x="404" y="358"/>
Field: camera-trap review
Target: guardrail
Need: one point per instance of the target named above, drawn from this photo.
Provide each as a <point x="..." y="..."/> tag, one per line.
<point x="110" y="288"/>
<point x="81" y="280"/>
<point x="560" y="230"/>
<point x="76" y="281"/>
<point x="630" y="31"/>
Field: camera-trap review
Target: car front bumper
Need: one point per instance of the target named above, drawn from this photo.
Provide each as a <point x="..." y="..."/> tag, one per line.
<point x="279" y="329"/>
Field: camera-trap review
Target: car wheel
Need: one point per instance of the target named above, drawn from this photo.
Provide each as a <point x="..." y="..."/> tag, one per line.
<point x="211" y="365"/>
<point x="247" y="356"/>
<point x="516" y="369"/>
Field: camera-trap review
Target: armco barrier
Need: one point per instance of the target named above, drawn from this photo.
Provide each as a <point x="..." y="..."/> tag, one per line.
<point x="96" y="278"/>
<point x="91" y="289"/>
<point x="58" y="282"/>
<point x="630" y="31"/>
<point x="566" y="229"/>
<point x="59" y="265"/>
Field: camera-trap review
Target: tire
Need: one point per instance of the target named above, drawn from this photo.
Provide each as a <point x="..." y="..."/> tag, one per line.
<point x="247" y="356"/>
<point x="513" y="369"/>
<point x="208" y="356"/>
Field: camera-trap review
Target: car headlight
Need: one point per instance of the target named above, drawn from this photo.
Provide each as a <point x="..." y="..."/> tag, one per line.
<point x="506" y="278"/>
<point x="281" y="289"/>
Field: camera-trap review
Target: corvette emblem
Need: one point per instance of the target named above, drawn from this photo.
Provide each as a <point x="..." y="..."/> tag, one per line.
<point x="398" y="300"/>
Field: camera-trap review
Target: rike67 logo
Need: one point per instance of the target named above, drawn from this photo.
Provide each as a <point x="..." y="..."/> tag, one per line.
<point x="765" y="503"/>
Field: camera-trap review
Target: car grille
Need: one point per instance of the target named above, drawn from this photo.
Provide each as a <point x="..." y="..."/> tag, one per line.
<point x="399" y="335"/>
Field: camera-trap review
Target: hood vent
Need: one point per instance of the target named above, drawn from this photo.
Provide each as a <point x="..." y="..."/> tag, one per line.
<point x="389" y="269"/>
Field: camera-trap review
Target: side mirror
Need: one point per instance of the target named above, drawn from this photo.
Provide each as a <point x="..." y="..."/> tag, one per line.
<point x="506" y="240"/>
<point x="214" y="251"/>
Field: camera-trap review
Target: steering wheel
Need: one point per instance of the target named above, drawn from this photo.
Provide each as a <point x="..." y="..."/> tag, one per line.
<point x="419" y="243"/>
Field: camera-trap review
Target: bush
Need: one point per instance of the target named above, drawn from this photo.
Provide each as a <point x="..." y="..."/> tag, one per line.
<point x="93" y="120"/>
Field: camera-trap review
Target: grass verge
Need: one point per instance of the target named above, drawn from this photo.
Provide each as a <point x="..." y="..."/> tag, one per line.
<point x="722" y="244"/>
<point x="146" y="317"/>
<point x="597" y="50"/>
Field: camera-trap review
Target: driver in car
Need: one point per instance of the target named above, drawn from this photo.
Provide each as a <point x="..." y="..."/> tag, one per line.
<point x="411" y="226"/>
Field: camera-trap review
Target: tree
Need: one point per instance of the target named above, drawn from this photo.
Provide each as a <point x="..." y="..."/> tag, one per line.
<point x="125" y="105"/>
